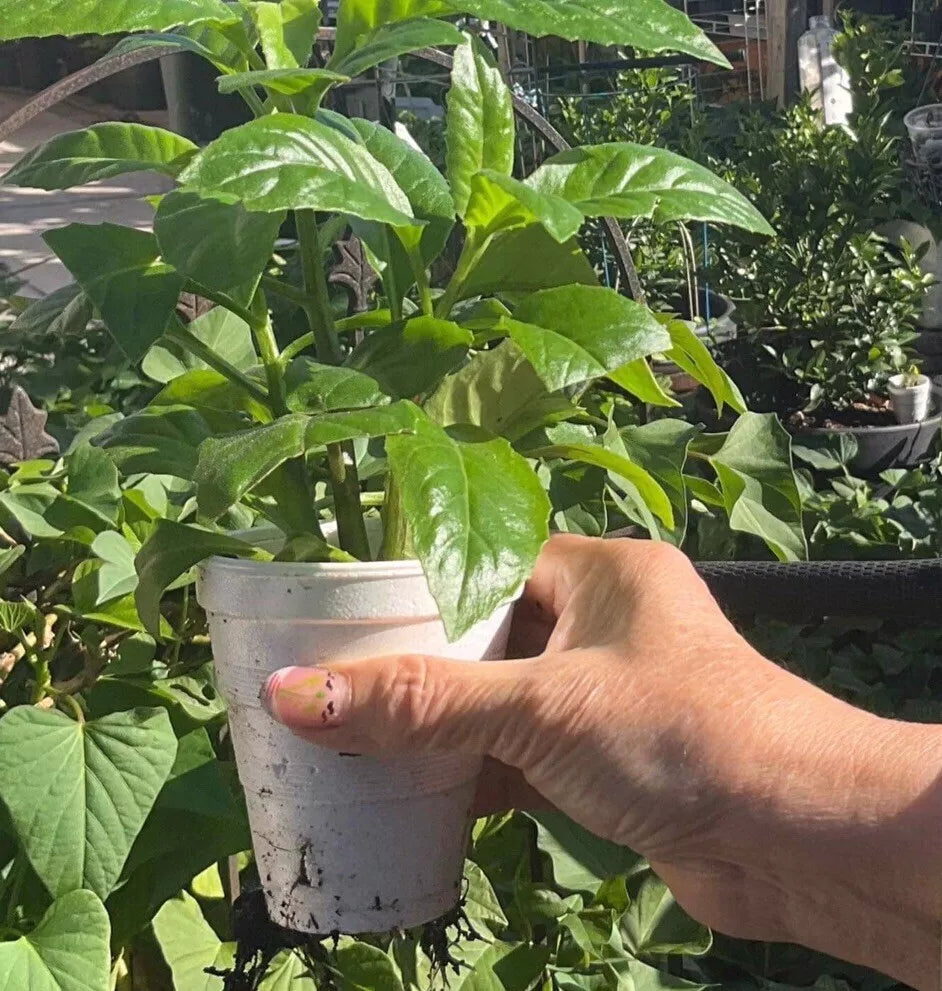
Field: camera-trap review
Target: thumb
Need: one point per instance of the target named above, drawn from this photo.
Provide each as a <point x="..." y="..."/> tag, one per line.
<point x="409" y="703"/>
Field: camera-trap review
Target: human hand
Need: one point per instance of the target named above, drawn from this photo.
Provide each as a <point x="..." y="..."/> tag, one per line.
<point x="636" y="708"/>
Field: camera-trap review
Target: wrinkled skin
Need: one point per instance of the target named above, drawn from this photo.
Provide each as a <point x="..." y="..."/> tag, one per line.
<point x="772" y="810"/>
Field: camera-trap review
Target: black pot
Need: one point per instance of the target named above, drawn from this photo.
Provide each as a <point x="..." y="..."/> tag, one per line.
<point x="139" y="88"/>
<point x="9" y="64"/>
<point x="929" y="346"/>
<point x="900" y="445"/>
<point x="38" y="62"/>
<point x="196" y="108"/>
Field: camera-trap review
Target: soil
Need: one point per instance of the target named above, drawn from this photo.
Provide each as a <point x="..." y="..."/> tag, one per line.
<point x="876" y="412"/>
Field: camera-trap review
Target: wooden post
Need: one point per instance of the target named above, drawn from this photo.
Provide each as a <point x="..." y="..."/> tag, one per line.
<point x="786" y="21"/>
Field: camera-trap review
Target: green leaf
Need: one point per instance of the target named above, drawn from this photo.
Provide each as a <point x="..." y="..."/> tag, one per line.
<point x="19" y="617"/>
<point x="93" y="482"/>
<point x="649" y="25"/>
<point x="228" y="335"/>
<point x="478" y="515"/>
<point x="573" y="334"/>
<point x="8" y="557"/>
<point x="196" y="821"/>
<point x="628" y="180"/>
<point x="503" y="967"/>
<point x="62" y="313"/>
<point x="119" y="268"/>
<point x="78" y="793"/>
<point x="381" y="421"/>
<point x="389" y="40"/>
<point x="111" y="577"/>
<point x="480" y="902"/>
<point x="655" y="923"/>
<point x="358" y="19"/>
<point x="499" y="391"/>
<point x="660" y="447"/>
<point x="410" y="358"/>
<point x="288" y="972"/>
<point x="100" y="17"/>
<point x="286" y="162"/>
<point x="581" y="861"/>
<point x="692" y="355"/>
<point x="637" y="378"/>
<point x="100" y="152"/>
<point x="286" y="82"/>
<point x="361" y="967"/>
<point x="655" y="498"/>
<point x="28" y="505"/>
<point x="754" y="470"/>
<point x="526" y="260"/>
<point x="500" y="203"/>
<point x="286" y="31"/>
<point x="479" y="128"/>
<point x="190" y="946"/>
<point x="159" y="440"/>
<point x="169" y="553"/>
<point x="205" y="390"/>
<point x="229" y="467"/>
<point x="67" y="951"/>
<point x="216" y="241"/>
<point x="314" y="388"/>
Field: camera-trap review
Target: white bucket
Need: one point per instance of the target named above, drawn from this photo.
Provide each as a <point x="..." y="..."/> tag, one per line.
<point x="924" y="125"/>
<point x="910" y="403"/>
<point x="348" y="843"/>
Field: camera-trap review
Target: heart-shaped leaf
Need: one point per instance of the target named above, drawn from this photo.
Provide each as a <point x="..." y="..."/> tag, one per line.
<point x="116" y="577"/>
<point x="286" y="162"/>
<point x="120" y="270"/>
<point x="574" y="334"/>
<point x="67" y="951"/>
<point x="500" y="203"/>
<point x="479" y="126"/>
<point x="628" y="180"/>
<point x="478" y="516"/>
<point x="101" y="17"/>
<point x="391" y="39"/>
<point x="655" y="923"/>
<point x="100" y="152"/>
<point x="93" y="481"/>
<point x="190" y="945"/>
<point x="78" y="793"/>
<point x="18" y="617"/>
<point x="216" y="241"/>
<point x="228" y="335"/>
<point x="64" y="311"/>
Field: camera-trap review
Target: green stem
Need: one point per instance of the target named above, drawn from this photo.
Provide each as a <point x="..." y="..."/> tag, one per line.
<point x="345" y="485"/>
<point x="220" y="299"/>
<point x="395" y="529"/>
<point x="264" y="334"/>
<point x="281" y="288"/>
<point x="359" y="321"/>
<point x="190" y="342"/>
<point x="252" y="101"/>
<point x="73" y="704"/>
<point x="319" y="315"/>
<point x="421" y="281"/>
<point x="470" y="256"/>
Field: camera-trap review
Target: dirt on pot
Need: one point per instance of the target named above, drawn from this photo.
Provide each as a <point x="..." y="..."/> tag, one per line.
<point x="876" y="412"/>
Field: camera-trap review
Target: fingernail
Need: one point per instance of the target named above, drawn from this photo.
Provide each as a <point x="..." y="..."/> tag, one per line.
<point x="310" y="697"/>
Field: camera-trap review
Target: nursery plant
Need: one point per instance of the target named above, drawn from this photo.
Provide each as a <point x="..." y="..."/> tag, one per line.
<point x="416" y="443"/>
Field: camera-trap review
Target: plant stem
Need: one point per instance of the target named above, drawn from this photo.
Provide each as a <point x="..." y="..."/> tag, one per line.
<point x="190" y="342"/>
<point x="264" y="334"/>
<point x="281" y="288"/>
<point x="372" y="318"/>
<point x="346" y="489"/>
<point x="470" y="255"/>
<point x="319" y="315"/>
<point x="220" y="299"/>
<point x="395" y="529"/>
<point x="252" y="101"/>
<point x="421" y="281"/>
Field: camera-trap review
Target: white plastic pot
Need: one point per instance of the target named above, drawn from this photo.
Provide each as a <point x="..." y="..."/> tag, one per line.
<point x="924" y="125"/>
<point x="910" y="402"/>
<point x="343" y="842"/>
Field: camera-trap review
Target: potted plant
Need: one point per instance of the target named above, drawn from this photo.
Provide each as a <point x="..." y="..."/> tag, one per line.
<point x="910" y="393"/>
<point x="393" y="461"/>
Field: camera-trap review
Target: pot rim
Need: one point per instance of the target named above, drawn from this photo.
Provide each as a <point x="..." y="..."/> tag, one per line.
<point x="335" y="570"/>
<point x="934" y="420"/>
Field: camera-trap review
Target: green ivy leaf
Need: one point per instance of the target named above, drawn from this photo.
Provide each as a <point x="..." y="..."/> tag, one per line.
<point x="574" y="334"/>
<point x="93" y="482"/>
<point x="480" y="902"/>
<point x="67" y="951"/>
<point x="479" y="127"/>
<point x="120" y="270"/>
<point x="288" y="972"/>
<point x="228" y="335"/>
<point x="189" y="945"/>
<point x="100" y="152"/>
<point x="391" y="39"/>
<point x="755" y="473"/>
<point x="649" y="25"/>
<point x="410" y="358"/>
<point x="101" y="17"/>
<point x="285" y="161"/>
<point x="501" y="966"/>
<point x="169" y="553"/>
<point x="527" y="260"/>
<point x="19" y="617"/>
<point x="362" y="967"/>
<point x="655" y="923"/>
<point x="500" y="203"/>
<point x="628" y="180"/>
<point x="499" y="391"/>
<point x="216" y="241"/>
<point x="78" y="793"/>
<point x="478" y="514"/>
<point x="61" y="313"/>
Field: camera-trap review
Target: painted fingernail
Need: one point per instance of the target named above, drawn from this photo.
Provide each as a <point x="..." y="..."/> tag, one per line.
<point x="309" y="697"/>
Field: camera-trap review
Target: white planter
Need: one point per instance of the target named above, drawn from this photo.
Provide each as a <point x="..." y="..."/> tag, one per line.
<point x="910" y="403"/>
<point x="348" y="843"/>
